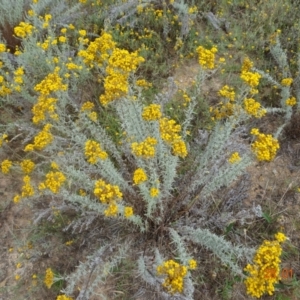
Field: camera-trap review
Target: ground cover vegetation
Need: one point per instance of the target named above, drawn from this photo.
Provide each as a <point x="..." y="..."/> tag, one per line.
<point x="124" y="170"/>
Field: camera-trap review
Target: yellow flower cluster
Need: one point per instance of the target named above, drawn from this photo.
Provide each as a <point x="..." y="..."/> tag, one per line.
<point x="93" y="116"/>
<point x="227" y="92"/>
<point x="247" y="65"/>
<point x="265" y="272"/>
<point x="120" y="64"/>
<point x="87" y="106"/>
<point x="18" y="78"/>
<point x="54" y="180"/>
<point x="291" y="101"/>
<point x="46" y="18"/>
<point x="235" y="157"/>
<point x="175" y="274"/>
<point x="151" y="112"/>
<point x="82" y="192"/>
<point x="128" y="211"/>
<point x="265" y="146"/>
<point x="287" y="81"/>
<point x="54" y="166"/>
<point x="17" y="198"/>
<point x="23" y="29"/>
<point x="169" y="133"/>
<point x="145" y="149"/>
<point x="143" y="83"/>
<point x="3" y="139"/>
<point x="4" y="89"/>
<point x="93" y="152"/>
<point x="154" y="192"/>
<point x="111" y="211"/>
<point x="2" y="47"/>
<point x="51" y="83"/>
<point x="192" y="264"/>
<point x="73" y="66"/>
<point x="98" y="51"/>
<point x="223" y="111"/>
<point x="186" y="97"/>
<point x="207" y="57"/>
<point x="5" y="166"/>
<point x="108" y="194"/>
<point x="124" y="61"/>
<point x="44" y="105"/>
<point x="49" y="278"/>
<point x="27" y="188"/>
<point x="253" y="108"/>
<point x="41" y="140"/>
<point x="250" y="78"/>
<point x="179" y="148"/>
<point x="169" y="130"/>
<point x="116" y="86"/>
<point x="139" y="176"/>
<point x="63" y="297"/>
<point x="193" y="9"/>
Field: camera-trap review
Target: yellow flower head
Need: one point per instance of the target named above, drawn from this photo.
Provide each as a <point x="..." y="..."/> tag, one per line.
<point x="139" y="176"/>
<point x="23" y="30"/>
<point x="265" y="146"/>
<point x="49" y="278"/>
<point x="280" y="237"/>
<point x="128" y="211"/>
<point x="175" y="274"/>
<point x="2" y="47"/>
<point x="87" y="106"/>
<point x="27" y="166"/>
<point x="235" y="157"/>
<point x="93" y="152"/>
<point x="62" y="39"/>
<point x="207" y="57"/>
<point x="247" y="65"/>
<point x="144" y="149"/>
<point x="143" y="83"/>
<point x="53" y="182"/>
<point x="179" y="148"/>
<point x="93" y="116"/>
<point x="169" y="130"/>
<point x="5" y="166"/>
<point x="41" y="140"/>
<point x="253" y="108"/>
<point x="154" y="192"/>
<point x="3" y="139"/>
<point x="111" y="211"/>
<point x="82" y="32"/>
<point x="54" y="166"/>
<point x="192" y="264"/>
<point x="106" y="192"/>
<point x="264" y="273"/>
<point x="63" y="297"/>
<point x="251" y="78"/>
<point x="291" y="101"/>
<point x="287" y="81"/>
<point x="227" y="92"/>
<point x="152" y="112"/>
<point x="27" y="188"/>
<point x="17" y="198"/>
